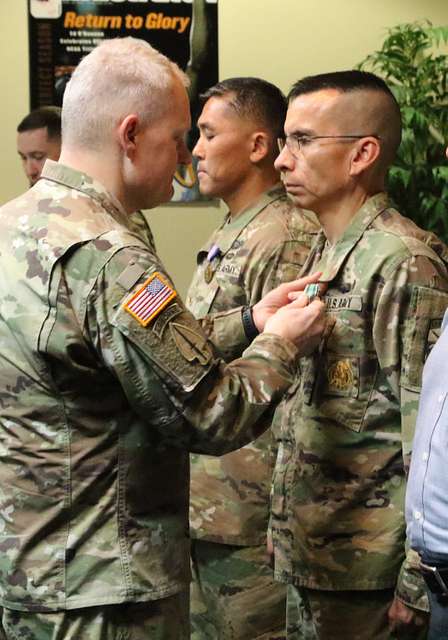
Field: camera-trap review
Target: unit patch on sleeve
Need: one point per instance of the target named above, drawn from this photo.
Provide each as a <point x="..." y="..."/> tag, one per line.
<point x="150" y="299"/>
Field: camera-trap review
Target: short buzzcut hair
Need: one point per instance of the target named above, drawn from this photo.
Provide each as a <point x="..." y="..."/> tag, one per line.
<point x="344" y="81"/>
<point x="45" y="117"/>
<point x="254" y="99"/>
<point x="120" y="76"/>
<point x="356" y="80"/>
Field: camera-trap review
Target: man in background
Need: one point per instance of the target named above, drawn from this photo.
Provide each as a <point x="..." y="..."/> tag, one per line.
<point x="346" y="427"/>
<point x="39" y="138"/>
<point x="263" y="241"/>
<point x="427" y="490"/>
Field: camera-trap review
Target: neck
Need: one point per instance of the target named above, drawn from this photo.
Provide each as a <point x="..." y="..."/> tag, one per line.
<point x="336" y="216"/>
<point x="107" y="173"/>
<point x="249" y="191"/>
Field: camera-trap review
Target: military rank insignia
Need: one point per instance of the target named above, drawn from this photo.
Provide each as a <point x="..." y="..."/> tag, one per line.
<point x="340" y="375"/>
<point x="150" y="299"/>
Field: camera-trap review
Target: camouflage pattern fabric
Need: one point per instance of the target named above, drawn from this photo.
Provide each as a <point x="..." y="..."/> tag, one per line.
<point x="163" y="619"/>
<point x="97" y="409"/>
<point x="233" y="596"/>
<point x="140" y="225"/>
<point x="347" y="423"/>
<point x="265" y="245"/>
<point x="343" y="615"/>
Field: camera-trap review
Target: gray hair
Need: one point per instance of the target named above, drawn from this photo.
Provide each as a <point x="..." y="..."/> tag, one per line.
<point x="120" y="76"/>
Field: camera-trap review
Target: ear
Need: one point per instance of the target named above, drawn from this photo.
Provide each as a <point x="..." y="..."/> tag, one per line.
<point x="259" y="146"/>
<point x="365" y="154"/>
<point x="127" y="133"/>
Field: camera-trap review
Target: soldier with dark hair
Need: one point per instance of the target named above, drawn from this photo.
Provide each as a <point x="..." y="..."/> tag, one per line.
<point x="346" y="426"/>
<point x="263" y="241"/>
<point x="39" y="138"/>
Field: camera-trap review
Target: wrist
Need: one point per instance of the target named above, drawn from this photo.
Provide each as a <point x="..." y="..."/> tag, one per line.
<point x="249" y="326"/>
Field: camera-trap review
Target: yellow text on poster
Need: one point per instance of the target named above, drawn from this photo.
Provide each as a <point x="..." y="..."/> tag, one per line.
<point x="73" y="20"/>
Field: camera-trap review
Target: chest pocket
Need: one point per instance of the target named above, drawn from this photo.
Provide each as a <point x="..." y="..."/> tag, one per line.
<point x="224" y="292"/>
<point x="338" y="383"/>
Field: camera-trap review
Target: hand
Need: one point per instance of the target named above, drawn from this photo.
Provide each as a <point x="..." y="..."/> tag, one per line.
<point x="403" y="620"/>
<point x="278" y="297"/>
<point x="300" y="323"/>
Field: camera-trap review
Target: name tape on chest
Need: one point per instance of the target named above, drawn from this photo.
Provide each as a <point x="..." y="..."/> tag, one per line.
<point x="149" y="300"/>
<point x="341" y="303"/>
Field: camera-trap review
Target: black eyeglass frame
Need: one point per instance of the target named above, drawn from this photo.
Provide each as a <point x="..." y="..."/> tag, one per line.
<point x="297" y="139"/>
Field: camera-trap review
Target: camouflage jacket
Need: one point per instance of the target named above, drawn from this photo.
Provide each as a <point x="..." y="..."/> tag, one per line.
<point x="99" y="403"/>
<point x="140" y="225"/>
<point x="346" y="425"/>
<point x="264" y="246"/>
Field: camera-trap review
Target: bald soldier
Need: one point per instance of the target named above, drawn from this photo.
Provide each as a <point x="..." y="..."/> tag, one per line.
<point x="39" y="138"/>
<point x="107" y="380"/>
<point x="264" y="240"/>
<point x="346" y="425"/>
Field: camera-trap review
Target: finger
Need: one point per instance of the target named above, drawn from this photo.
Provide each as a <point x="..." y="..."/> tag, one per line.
<point x="298" y="295"/>
<point x="298" y="300"/>
<point x="300" y="283"/>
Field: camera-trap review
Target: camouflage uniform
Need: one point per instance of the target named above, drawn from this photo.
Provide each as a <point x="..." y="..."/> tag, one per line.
<point x="154" y="620"/>
<point x="96" y="409"/>
<point x="140" y="225"/>
<point x="347" y="422"/>
<point x="233" y="590"/>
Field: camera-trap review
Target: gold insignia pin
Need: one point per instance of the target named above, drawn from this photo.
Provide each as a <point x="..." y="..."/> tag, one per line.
<point x="340" y="375"/>
<point x="208" y="273"/>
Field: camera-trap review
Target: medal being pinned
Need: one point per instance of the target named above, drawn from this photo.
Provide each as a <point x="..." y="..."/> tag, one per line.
<point x="312" y="291"/>
<point x="214" y="252"/>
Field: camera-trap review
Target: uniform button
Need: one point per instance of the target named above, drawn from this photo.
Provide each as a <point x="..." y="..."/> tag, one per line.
<point x="425" y="456"/>
<point x="417" y="515"/>
<point x="440" y="398"/>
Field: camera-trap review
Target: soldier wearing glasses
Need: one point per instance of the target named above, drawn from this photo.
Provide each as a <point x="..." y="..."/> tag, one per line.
<point x="346" y="425"/>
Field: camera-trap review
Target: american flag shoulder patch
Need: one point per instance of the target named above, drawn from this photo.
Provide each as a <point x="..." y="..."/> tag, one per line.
<point x="150" y="299"/>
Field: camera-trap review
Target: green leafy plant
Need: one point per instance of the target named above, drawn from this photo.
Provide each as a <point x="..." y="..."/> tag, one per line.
<point x="413" y="63"/>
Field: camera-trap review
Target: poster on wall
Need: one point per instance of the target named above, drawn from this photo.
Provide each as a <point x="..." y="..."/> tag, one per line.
<point x="62" y="32"/>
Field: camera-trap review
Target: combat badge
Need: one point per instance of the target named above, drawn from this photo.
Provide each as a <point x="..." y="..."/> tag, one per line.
<point x="150" y="299"/>
<point x="340" y="375"/>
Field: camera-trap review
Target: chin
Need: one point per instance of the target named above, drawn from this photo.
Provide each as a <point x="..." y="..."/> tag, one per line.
<point x="297" y="200"/>
<point x="208" y="190"/>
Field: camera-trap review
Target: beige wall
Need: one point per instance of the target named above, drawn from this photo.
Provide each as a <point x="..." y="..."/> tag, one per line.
<point x="279" y="40"/>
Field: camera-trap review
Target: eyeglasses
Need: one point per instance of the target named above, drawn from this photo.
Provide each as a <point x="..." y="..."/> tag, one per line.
<point x="296" y="142"/>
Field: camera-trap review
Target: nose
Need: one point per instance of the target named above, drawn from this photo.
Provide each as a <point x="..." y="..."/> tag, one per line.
<point x="284" y="160"/>
<point x="32" y="168"/>
<point x="198" y="151"/>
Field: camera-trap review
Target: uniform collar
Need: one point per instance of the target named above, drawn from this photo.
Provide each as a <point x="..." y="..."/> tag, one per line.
<point x="336" y="254"/>
<point x="229" y="231"/>
<point x="73" y="179"/>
